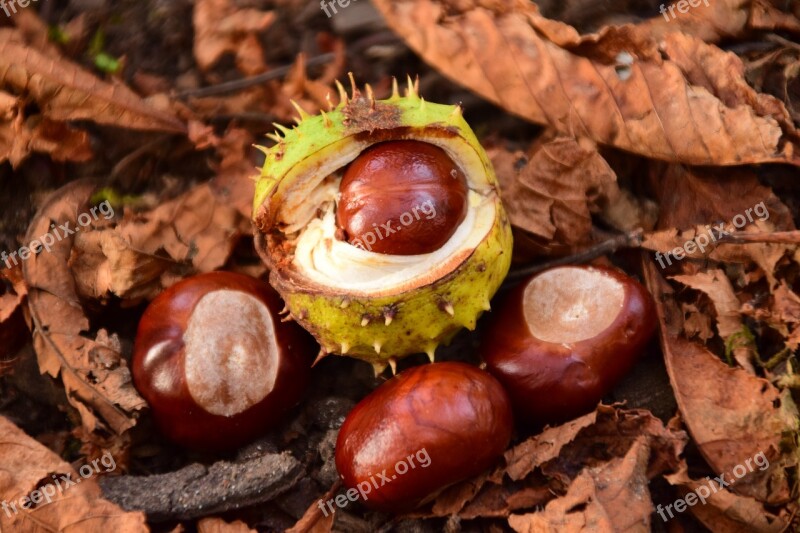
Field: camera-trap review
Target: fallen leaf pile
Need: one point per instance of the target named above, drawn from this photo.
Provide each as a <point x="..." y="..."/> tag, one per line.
<point x="665" y="145"/>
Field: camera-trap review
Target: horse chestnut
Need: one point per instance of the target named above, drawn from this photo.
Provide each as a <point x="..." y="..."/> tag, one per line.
<point x="562" y="339"/>
<point x="424" y="429"/>
<point x="402" y="198"/>
<point x="216" y="364"/>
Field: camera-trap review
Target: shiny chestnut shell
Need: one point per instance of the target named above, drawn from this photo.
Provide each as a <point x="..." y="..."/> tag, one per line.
<point x="550" y="372"/>
<point x="409" y="196"/>
<point x="458" y="414"/>
<point x="194" y="404"/>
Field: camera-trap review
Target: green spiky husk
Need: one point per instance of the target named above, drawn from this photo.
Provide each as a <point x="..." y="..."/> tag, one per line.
<point x="377" y="328"/>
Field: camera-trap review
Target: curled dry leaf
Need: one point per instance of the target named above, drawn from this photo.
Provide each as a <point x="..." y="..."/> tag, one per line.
<point x="554" y="194"/>
<point x="20" y="136"/>
<point x="620" y="87"/>
<point x="522" y="459"/>
<point x="713" y="21"/>
<point x="710" y="196"/>
<point x="711" y="211"/>
<point x="218" y="525"/>
<point x="608" y="498"/>
<point x="731" y="414"/>
<point x="785" y="317"/>
<point x="65" y="91"/>
<point x="612" y="435"/>
<point x="547" y="463"/>
<point x="716" y="285"/>
<point x="29" y="466"/>
<point x="95" y="375"/>
<point x="13" y="329"/>
<point x="146" y="252"/>
<point x="778" y="72"/>
<point x="723" y="511"/>
<point x="222" y="27"/>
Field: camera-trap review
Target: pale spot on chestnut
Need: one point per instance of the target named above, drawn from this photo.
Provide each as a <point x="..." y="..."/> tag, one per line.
<point x="567" y="305"/>
<point x="230" y="364"/>
<point x="562" y="339"/>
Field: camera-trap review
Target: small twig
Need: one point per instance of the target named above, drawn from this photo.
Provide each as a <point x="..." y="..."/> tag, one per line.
<point x="237" y="85"/>
<point x="780" y="40"/>
<point x="632" y="239"/>
<point x="778" y="237"/>
<point x="197" y="490"/>
<point x="776" y="359"/>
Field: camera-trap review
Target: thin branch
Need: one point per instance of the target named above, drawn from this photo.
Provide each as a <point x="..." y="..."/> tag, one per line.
<point x="778" y="237"/>
<point x="244" y="83"/>
<point x="632" y="239"/>
<point x="197" y="490"/>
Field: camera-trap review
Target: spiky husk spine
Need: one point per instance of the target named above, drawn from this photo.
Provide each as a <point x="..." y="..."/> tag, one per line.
<point x="378" y="329"/>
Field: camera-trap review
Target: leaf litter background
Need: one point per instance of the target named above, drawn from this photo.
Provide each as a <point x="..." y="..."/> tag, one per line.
<point x="615" y="134"/>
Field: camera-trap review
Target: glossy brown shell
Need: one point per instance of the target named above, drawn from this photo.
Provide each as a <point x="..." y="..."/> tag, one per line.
<point x="161" y="378"/>
<point x="458" y="414"/>
<point x="410" y="196"/>
<point x="550" y="382"/>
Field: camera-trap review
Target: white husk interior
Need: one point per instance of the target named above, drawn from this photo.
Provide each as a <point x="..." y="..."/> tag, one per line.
<point x="338" y="264"/>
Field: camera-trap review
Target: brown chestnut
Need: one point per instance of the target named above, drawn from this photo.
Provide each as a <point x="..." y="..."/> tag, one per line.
<point x="401" y="198"/>
<point x="562" y="339"/>
<point x="426" y="428"/>
<point x="215" y="362"/>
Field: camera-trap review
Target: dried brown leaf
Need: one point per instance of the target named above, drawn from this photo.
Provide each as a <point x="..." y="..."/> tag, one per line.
<point x="197" y="228"/>
<point x="716" y="20"/>
<point x="553" y="195"/>
<point x="222" y="27"/>
<point x="14" y="331"/>
<point x="28" y="466"/>
<point x="611" y="497"/>
<point x="104" y="263"/>
<point x="723" y="511"/>
<point x="612" y="435"/>
<point x="64" y="91"/>
<point x="94" y="373"/>
<point x="534" y="452"/>
<point x="20" y="136"/>
<point x="623" y="88"/>
<point x="499" y="501"/>
<point x="716" y="285"/>
<point x="709" y="196"/>
<point x="148" y="251"/>
<point x="218" y="525"/>
<point x="547" y="463"/>
<point x="731" y="414"/>
<point x="786" y="315"/>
